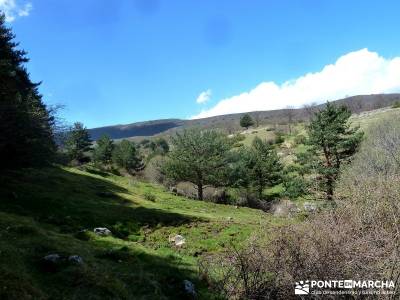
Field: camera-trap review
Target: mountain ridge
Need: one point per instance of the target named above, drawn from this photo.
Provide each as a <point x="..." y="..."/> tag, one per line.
<point x="230" y="122"/>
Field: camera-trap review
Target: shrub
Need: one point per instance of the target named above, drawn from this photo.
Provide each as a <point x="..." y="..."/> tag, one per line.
<point x="357" y="239"/>
<point x="300" y="139"/>
<point x="279" y="137"/>
<point x="149" y="196"/>
<point x="294" y="187"/>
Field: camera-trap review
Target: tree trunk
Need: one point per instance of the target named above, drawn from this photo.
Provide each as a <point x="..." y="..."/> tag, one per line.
<point x="329" y="188"/>
<point x="200" y="191"/>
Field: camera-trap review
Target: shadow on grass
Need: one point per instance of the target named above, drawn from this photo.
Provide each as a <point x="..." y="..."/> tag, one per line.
<point x="147" y="274"/>
<point x="75" y="201"/>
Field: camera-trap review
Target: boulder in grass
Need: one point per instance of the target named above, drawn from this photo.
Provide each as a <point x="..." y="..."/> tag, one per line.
<point x="102" y="231"/>
<point x="178" y="240"/>
<point x="52" y="258"/>
<point x="309" y="207"/>
<point x="51" y="263"/>
<point x="75" y="259"/>
<point x="189" y="287"/>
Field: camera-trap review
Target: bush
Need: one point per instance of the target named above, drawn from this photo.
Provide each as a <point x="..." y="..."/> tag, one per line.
<point x="279" y="137"/>
<point x="300" y="139"/>
<point x="357" y="239"/>
<point x="294" y="187"/>
<point x="149" y="196"/>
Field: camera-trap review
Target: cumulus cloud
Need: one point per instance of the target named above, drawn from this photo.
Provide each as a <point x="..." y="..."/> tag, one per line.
<point x="14" y="8"/>
<point x="355" y="73"/>
<point x="204" y="97"/>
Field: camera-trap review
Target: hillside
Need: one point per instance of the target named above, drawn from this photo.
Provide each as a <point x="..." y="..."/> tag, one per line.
<point x="230" y="122"/>
<point x="43" y="212"/>
<point x="55" y="210"/>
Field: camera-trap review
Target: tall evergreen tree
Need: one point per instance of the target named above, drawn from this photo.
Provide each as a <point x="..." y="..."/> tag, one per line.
<point x="199" y="157"/>
<point x="255" y="168"/>
<point x="125" y="155"/>
<point x="78" y="143"/>
<point x="103" y="151"/>
<point x="333" y="142"/>
<point x="262" y="166"/>
<point x="26" y="125"/>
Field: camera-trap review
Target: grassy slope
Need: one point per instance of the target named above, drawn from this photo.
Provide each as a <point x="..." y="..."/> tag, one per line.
<point x="41" y="212"/>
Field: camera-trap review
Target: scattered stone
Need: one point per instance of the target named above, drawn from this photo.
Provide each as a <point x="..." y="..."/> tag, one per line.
<point x="75" y="259"/>
<point x="178" y="240"/>
<point x="174" y="190"/>
<point x="52" y="258"/>
<point x="309" y="207"/>
<point x="51" y="263"/>
<point x="189" y="287"/>
<point x="230" y="218"/>
<point x="102" y="231"/>
<point x="284" y="208"/>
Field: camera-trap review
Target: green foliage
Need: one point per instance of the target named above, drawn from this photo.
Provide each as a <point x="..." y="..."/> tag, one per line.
<point x="294" y="187"/>
<point x="257" y="167"/>
<point x="125" y="155"/>
<point x="102" y="153"/>
<point x="78" y="143"/>
<point x="246" y="121"/>
<point x="279" y="137"/>
<point x="333" y="143"/>
<point x="149" y="196"/>
<point x="300" y="139"/>
<point x="160" y="146"/>
<point x="26" y="124"/>
<point x="199" y="157"/>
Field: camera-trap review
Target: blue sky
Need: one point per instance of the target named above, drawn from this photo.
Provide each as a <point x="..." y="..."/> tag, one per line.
<point x="117" y="62"/>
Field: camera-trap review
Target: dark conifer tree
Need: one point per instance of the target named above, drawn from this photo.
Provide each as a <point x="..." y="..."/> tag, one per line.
<point x="78" y="143"/>
<point x="26" y="125"/>
<point x="333" y="142"/>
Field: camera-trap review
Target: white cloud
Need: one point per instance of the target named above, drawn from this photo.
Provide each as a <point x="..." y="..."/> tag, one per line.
<point x="15" y="8"/>
<point x="204" y="97"/>
<point x="359" y="72"/>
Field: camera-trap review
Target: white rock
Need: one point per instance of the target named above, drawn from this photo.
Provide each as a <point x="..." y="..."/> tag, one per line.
<point x="102" y="231"/>
<point x="54" y="258"/>
<point x="310" y="207"/>
<point x="76" y="259"/>
<point x="178" y="240"/>
<point x="189" y="287"/>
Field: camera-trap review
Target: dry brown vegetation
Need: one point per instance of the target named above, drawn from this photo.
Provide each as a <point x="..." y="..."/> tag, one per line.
<point x="359" y="239"/>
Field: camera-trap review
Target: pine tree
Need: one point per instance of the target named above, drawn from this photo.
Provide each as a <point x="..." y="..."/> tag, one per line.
<point x="78" y="143"/>
<point x="102" y="153"/>
<point x="246" y="121"/>
<point x="333" y="142"/>
<point x="125" y="155"/>
<point x="199" y="157"/>
<point x="26" y="125"/>
<point x="264" y="167"/>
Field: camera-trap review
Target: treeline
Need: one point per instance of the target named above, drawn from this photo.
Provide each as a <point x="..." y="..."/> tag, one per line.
<point x="210" y="158"/>
<point x="77" y="149"/>
<point x="202" y="157"/>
